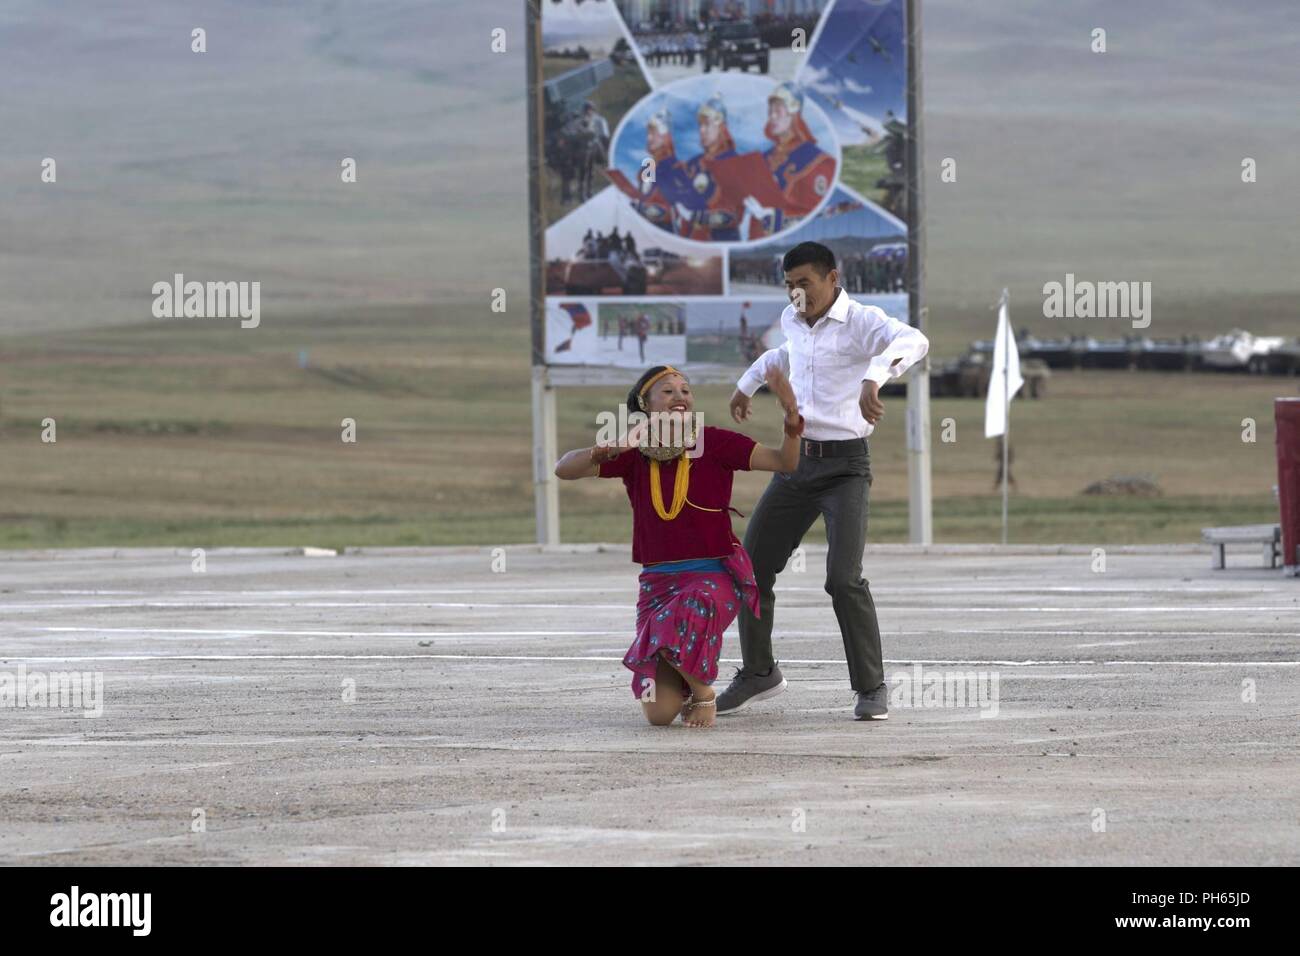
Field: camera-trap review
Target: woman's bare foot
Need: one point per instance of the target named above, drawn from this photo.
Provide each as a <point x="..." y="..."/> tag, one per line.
<point x="700" y="711"/>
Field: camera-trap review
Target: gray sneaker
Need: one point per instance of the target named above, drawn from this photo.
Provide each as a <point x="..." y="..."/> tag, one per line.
<point x="872" y="704"/>
<point x="748" y="687"/>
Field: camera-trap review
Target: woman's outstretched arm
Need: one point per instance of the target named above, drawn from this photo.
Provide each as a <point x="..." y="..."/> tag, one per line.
<point x="584" y="462"/>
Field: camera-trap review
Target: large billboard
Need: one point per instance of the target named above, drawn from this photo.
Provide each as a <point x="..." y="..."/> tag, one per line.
<point x="680" y="147"/>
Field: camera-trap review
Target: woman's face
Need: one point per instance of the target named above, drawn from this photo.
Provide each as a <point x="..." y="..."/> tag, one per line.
<point x="672" y="393"/>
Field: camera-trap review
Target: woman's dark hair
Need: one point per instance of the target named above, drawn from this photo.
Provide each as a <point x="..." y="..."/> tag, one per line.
<point x="809" y="254"/>
<point x="633" y="403"/>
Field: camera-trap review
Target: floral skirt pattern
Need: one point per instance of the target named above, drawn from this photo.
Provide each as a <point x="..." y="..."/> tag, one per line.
<point x="683" y="615"/>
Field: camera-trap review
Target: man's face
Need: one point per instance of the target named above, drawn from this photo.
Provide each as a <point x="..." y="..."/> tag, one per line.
<point x="656" y="139"/>
<point x="809" y="290"/>
<point x="778" y="117"/>
<point x="710" y="130"/>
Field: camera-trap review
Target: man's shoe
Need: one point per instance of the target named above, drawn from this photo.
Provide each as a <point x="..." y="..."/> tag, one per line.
<point x="748" y="687"/>
<point x="872" y="704"/>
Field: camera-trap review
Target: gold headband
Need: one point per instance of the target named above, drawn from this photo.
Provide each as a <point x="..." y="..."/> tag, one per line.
<point x="668" y="370"/>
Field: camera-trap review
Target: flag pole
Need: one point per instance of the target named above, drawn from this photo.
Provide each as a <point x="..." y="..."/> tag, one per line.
<point x="1006" y="417"/>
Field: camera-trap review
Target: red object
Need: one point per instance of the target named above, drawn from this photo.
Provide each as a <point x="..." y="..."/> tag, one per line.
<point x="746" y="175"/>
<point x="578" y="312"/>
<point x="1286" y="413"/>
<point x="684" y="613"/>
<point x="696" y="532"/>
<point x="806" y="187"/>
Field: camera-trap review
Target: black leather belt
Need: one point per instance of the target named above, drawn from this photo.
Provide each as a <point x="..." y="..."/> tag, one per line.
<point x="842" y="448"/>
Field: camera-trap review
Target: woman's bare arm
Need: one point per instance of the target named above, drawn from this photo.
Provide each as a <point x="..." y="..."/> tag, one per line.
<point x="585" y="462"/>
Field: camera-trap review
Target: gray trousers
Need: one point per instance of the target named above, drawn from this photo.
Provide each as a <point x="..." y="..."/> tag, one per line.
<point x="836" y="489"/>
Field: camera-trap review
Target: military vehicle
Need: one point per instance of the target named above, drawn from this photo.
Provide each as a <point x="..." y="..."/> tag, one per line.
<point x="735" y="43"/>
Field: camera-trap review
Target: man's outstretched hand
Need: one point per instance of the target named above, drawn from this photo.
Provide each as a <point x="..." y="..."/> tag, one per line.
<point x="741" y="406"/>
<point x="873" y="409"/>
<point x="784" y="392"/>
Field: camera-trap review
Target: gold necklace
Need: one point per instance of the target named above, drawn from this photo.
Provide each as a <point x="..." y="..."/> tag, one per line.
<point x="680" y="484"/>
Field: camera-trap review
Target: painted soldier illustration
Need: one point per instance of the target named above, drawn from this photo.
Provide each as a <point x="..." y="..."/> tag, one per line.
<point x="667" y="177"/>
<point x="714" y="216"/>
<point x="804" y="171"/>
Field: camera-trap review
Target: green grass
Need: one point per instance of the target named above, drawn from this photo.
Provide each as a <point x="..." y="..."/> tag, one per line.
<point x="956" y="520"/>
<point x="198" y="433"/>
<point x="863" y="167"/>
<point x="978" y="519"/>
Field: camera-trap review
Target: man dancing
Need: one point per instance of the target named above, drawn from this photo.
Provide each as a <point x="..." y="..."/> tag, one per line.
<point x="837" y="353"/>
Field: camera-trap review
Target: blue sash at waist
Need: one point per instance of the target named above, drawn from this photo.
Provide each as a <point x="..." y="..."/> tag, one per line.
<point x="692" y="564"/>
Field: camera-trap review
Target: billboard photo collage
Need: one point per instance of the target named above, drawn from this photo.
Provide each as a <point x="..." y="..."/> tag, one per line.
<point x="686" y="151"/>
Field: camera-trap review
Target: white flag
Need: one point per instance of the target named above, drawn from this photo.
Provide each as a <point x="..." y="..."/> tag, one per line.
<point x="1006" y="357"/>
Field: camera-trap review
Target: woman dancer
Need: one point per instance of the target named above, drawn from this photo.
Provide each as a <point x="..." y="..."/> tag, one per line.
<point x="695" y="573"/>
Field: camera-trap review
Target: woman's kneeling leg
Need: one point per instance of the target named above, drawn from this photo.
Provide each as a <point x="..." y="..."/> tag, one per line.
<point x="662" y="701"/>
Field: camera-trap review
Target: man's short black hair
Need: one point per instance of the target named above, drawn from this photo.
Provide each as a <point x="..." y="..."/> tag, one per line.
<point x="809" y="254"/>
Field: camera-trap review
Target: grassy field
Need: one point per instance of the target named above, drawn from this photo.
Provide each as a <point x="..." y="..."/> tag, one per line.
<point x="203" y="434"/>
<point x="864" y="166"/>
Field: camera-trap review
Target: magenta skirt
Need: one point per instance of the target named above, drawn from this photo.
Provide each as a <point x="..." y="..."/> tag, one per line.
<point x="683" y="615"/>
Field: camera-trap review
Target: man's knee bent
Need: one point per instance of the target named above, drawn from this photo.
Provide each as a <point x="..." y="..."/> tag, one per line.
<point x="765" y="573"/>
<point x="768" y="561"/>
<point x="844" y="584"/>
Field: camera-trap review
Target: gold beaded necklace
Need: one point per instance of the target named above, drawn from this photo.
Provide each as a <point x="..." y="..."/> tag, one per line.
<point x="680" y="485"/>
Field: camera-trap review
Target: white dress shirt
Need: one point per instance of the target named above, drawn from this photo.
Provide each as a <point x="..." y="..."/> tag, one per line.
<point x="828" y="362"/>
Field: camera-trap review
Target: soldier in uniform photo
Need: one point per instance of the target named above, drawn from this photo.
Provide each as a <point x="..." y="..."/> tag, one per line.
<point x="669" y="179"/>
<point x="642" y="328"/>
<point x="803" y="171"/>
<point x="595" y="124"/>
<point x="713" y="218"/>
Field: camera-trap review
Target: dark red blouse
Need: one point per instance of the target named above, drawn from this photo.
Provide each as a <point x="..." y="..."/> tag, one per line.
<point x="703" y="528"/>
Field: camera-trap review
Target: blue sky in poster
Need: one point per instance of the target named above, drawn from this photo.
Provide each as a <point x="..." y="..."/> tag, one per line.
<point x="860" y="60"/>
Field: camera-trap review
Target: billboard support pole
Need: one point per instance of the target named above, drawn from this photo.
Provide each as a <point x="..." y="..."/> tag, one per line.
<point x="546" y="487"/>
<point x="919" y="511"/>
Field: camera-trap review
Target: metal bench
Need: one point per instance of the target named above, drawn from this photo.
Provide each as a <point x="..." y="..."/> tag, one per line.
<point x="1269" y="536"/>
